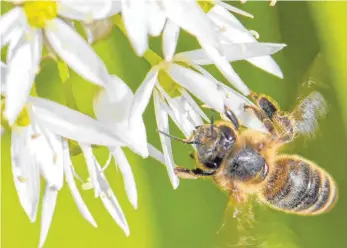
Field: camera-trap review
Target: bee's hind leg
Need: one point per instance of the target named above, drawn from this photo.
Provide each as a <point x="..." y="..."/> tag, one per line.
<point x="266" y="104"/>
<point x="192" y="174"/>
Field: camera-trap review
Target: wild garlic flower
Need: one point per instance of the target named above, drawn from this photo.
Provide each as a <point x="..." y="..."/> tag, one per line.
<point x="112" y="107"/>
<point x="39" y="147"/>
<point x="170" y="82"/>
<point x="25" y="28"/>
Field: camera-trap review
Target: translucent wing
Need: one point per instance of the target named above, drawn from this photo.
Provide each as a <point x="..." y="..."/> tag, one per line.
<point x="307" y="113"/>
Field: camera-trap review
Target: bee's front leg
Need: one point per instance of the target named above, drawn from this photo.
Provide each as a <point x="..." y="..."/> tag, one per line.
<point x="192" y="174"/>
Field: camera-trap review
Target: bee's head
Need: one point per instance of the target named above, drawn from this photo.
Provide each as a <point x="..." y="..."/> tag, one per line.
<point x="212" y="142"/>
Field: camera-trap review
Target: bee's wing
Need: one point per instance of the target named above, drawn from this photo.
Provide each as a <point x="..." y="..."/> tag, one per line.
<point x="307" y="113"/>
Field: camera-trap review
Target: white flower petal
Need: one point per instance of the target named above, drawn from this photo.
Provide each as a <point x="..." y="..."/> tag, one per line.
<point x="112" y="104"/>
<point x="138" y="141"/>
<point x="88" y="10"/>
<point x="156" y="154"/>
<point x="238" y="33"/>
<point x="68" y="170"/>
<point x="48" y="151"/>
<point x="233" y="52"/>
<point x="225" y="68"/>
<point x="10" y="23"/>
<point x="22" y="69"/>
<point x="3" y="73"/>
<point x="92" y="170"/>
<point x="109" y="199"/>
<point x="267" y="64"/>
<point x="143" y="94"/>
<point x="134" y="15"/>
<point x="205" y="89"/>
<point x="170" y="39"/>
<point x="163" y="125"/>
<point x="156" y="18"/>
<point x="128" y="176"/>
<point x="25" y="171"/>
<point x="48" y="206"/>
<point x="76" y="52"/>
<point x="97" y="30"/>
<point x="73" y="125"/>
<point x="194" y="105"/>
<point x="176" y="111"/>
<point x="189" y="16"/>
<point x="234" y="9"/>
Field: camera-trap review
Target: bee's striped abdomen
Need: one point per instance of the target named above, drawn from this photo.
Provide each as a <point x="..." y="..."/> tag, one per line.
<point x="297" y="185"/>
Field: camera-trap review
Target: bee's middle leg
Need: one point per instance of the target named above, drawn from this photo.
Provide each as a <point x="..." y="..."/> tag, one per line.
<point x="192" y="174"/>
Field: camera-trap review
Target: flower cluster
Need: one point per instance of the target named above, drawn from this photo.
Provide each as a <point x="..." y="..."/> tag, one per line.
<point x="45" y="132"/>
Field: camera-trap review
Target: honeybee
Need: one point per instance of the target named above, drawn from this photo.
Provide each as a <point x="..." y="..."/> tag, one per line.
<point x="246" y="162"/>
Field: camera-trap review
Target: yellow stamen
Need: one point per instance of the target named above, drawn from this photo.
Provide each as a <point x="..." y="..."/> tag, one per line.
<point x="206" y="5"/>
<point x="39" y="12"/>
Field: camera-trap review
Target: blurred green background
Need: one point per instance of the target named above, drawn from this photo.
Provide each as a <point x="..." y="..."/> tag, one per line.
<point x="196" y="214"/>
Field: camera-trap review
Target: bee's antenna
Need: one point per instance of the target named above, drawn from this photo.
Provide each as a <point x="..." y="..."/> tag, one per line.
<point x="179" y="139"/>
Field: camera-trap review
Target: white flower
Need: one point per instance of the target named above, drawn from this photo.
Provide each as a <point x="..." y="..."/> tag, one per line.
<point x="40" y="148"/>
<point x="142" y="18"/>
<point x="25" y="28"/>
<point x="230" y="31"/>
<point x="169" y="82"/>
<point x="112" y="107"/>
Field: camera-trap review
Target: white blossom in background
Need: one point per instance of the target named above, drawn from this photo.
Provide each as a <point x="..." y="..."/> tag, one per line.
<point x="151" y="17"/>
<point x="183" y="110"/>
<point x="25" y="29"/>
<point x="229" y="31"/>
<point x="41" y="149"/>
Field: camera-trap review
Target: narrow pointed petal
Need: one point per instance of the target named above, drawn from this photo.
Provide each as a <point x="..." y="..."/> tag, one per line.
<point x="234" y="9"/>
<point x="110" y="201"/>
<point x="267" y="64"/>
<point x="156" y="18"/>
<point x="26" y="173"/>
<point x="3" y="73"/>
<point x="10" y="23"/>
<point x="177" y="112"/>
<point x="170" y="39"/>
<point x="143" y="94"/>
<point x="97" y="30"/>
<point x="88" y="10"/>
<point x="128" y="176"/>
<point x="163" y="125"/>
<point x="189" y="16"/>
<point x="48" y="206"/>
<point x="239" y="34"/>
<point x="22" y="69"/>
<point x="156" y="154"/>
<point x="48" y="151"/>
<point x="194" y="105"/>
<point x="225" y="68"/>
<point x="203" y="88"/>
<point x="76" y="52"/>
<point x="68" y="170"/>
<point x="138" y="142"/>
<point x="134" y="15"/>
<point x="112" y="104"/>
<point x="232" y="52"/>
<point x="73" y="125"/>
<point x="93" y="174"/>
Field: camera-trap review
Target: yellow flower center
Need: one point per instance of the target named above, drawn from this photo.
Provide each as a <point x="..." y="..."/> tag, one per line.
<point x="22" y="119"/>
<point x="172" y="88"/>
<point x="206" y="5"/>
<point x="39" y="12"/>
